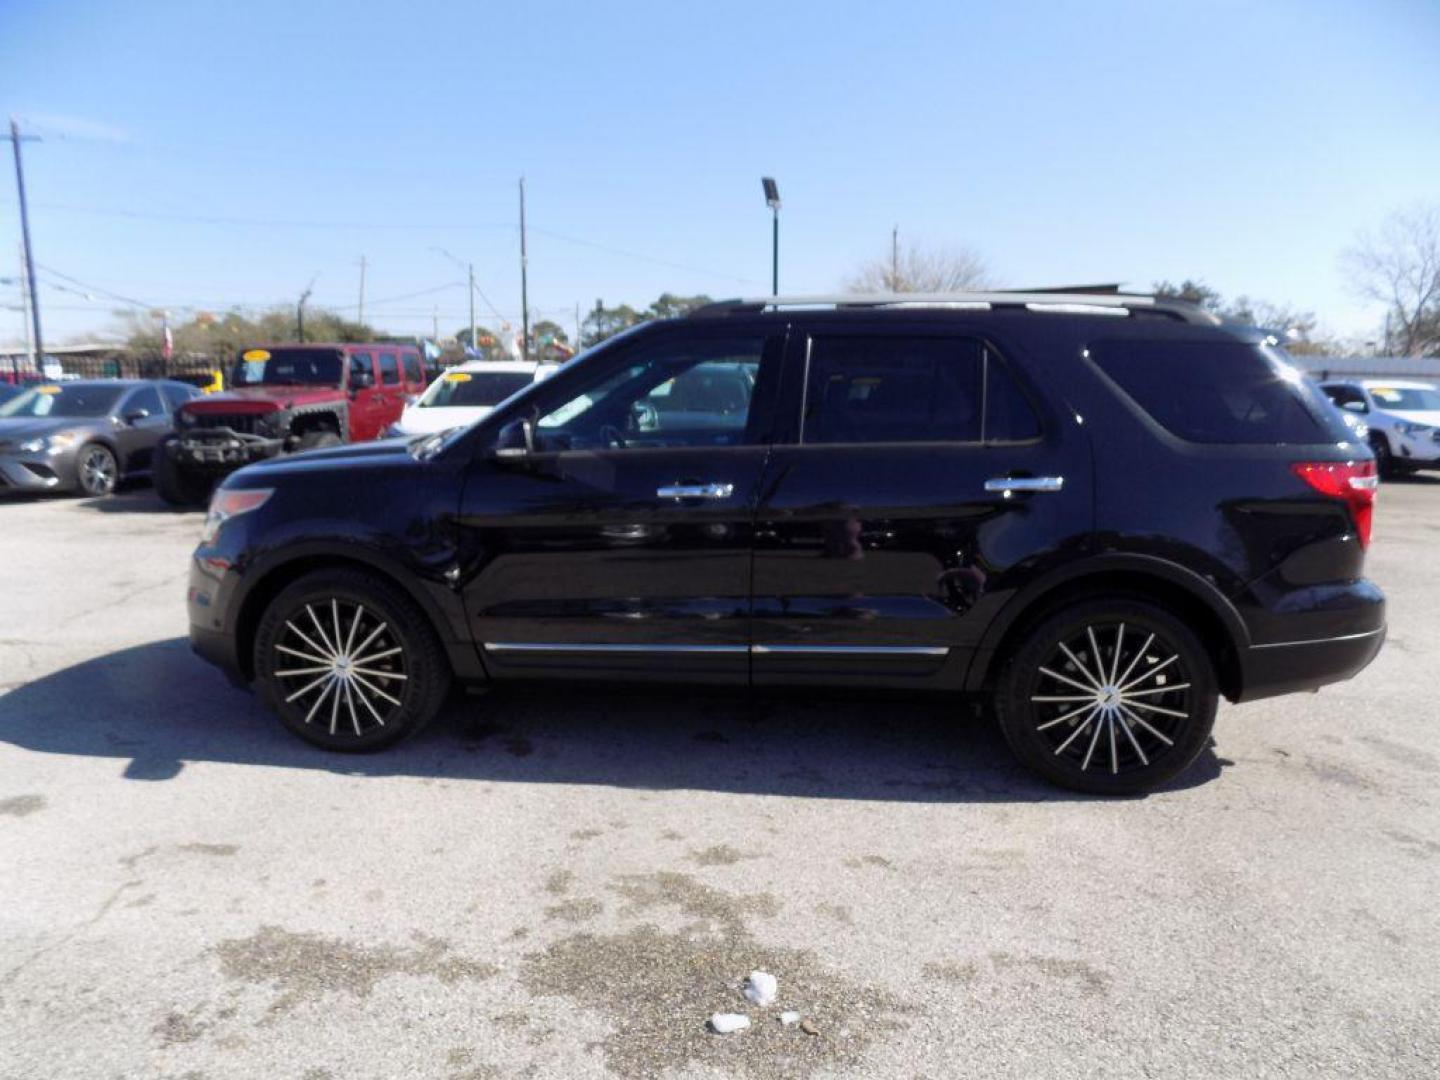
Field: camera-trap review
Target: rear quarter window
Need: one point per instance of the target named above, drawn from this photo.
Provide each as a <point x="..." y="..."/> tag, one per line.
<point x="1220" y="392"/>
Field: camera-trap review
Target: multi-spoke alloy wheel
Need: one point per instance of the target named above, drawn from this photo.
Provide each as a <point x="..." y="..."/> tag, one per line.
<point x="342" y="665"/>
<point x="348" y="662"/>
<point x="97" y="470"/>
<point x="1109" y="697"/>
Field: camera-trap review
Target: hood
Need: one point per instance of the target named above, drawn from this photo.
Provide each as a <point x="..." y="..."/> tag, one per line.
<point x="18" y="429"/>
<point x="1416" y="416"/>
<point x="383" y="453"/>
<point x="426" y="420"/>
<point x="255" y="399"/>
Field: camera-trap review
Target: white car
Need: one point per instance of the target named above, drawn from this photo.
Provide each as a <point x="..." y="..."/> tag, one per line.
<point x="466" y="393"/>
<point x="1403" y="417"/>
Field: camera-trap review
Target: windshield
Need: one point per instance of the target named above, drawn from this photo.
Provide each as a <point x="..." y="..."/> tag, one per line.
<point x="1406" y="398"/>
<point x="472" y="388"/>
<point x="63" y="401"/>
<point x="288" y="367"/>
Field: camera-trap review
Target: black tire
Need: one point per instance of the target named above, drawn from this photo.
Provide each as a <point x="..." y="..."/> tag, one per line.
<point x="97" y="472"/>
<point x="314" y="440"/>
<point x="1172" y="701"/>
<point x="1385" y="463"/>
<point x="176" y="485"/>
<point x="397" y="687"/>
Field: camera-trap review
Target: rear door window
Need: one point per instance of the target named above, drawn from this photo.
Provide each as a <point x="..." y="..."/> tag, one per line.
<point x="1220" y="392"/>
<point x="362" y="363"/>
<point x="897" y="389"/>
<point x="412" y="368"/>
<point x="389" y="369"/>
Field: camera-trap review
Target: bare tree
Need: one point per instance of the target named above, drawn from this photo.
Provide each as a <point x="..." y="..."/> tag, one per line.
<point x="1400" y="267"/>
<point x="918" y="269"/>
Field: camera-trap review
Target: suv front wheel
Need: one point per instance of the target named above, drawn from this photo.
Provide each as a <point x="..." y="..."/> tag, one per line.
<point x="1108" y="697"/>
<point x="349" y="662"/>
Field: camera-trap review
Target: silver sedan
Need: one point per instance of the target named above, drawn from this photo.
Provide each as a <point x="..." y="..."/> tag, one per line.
<point x="85" y="435"/>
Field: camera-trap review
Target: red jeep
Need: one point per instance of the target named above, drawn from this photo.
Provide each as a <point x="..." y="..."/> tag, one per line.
<point x="284" y="398"/>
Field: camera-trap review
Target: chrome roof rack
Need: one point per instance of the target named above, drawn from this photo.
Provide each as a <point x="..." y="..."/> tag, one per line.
<point x="1037" y="300"/>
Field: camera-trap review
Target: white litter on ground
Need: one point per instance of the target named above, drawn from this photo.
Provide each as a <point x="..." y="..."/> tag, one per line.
<point x="725" y="1023"/>
<point x="761" y="988"/>
<point x="788" y="1018"/>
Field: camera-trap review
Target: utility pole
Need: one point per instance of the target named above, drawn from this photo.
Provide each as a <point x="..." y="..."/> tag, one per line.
<point x="895" y="259"/>
<point x="474" y="344"/>
<point x="24" y="307"/>
<point x="577" y="328"/>
<point x="39" y="347"/>
<point x="524" y="282"/>
<point x="435" y="324"/>
<point x="360" y="309"/>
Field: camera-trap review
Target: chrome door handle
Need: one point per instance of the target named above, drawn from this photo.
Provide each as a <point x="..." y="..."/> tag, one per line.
<point x="695" y="491"/>
<point x="1009" y="485"/>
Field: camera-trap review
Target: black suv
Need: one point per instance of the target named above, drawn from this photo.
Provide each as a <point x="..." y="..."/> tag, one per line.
<point x="1099" y="512"/>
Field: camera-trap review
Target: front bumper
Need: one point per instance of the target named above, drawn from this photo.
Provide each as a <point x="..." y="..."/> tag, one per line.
<point x="221" y="449"/>
<point x="1421" y="451"/>
<point x="39" y="471"/>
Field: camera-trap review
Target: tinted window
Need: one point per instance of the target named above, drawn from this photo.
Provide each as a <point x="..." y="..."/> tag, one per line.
<point x="690" y="393"/>
<point x="146" y="398"/>
<point x="1346" y="395"/>
<point x="176" y="394"/>
<point x="412" y="368"/>
<point x="893" y="389"/>
<point x="72" y="400"/>
<point x="1009" y="416"/>
<point x="293" y="367"/>
<point x="456" y="388"/>
<point x="1220" y="392"/>
<point x="389" y="369"/>
<point x="361" y="363"/>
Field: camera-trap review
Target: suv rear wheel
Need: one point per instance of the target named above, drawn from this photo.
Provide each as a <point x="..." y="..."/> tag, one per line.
<point x="1110" y="697"/>
<point x="349" y="661"/>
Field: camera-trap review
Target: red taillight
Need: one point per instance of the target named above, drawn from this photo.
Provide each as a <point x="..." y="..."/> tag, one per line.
<point x="1352" y="481"/>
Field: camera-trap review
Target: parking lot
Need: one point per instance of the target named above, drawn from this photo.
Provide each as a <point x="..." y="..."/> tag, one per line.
<point x="561" y="884"/>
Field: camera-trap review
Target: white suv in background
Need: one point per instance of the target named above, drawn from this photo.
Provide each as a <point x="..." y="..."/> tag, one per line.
<point x="467" y="392"/>
<point x="1403" y="416"/>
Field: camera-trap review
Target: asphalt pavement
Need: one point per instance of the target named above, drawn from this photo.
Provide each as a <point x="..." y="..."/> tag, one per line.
<point x="555" y="883"/>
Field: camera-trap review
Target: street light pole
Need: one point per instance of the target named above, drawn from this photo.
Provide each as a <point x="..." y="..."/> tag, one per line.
<point x="15" y="140"/>
<point x="772" y="200"/>
<point x="474" y="345"/>
<point x="524" y="282"/>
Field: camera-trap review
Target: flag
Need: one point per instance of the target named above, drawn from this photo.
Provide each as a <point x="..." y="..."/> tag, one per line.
<point x="167" y="346"/>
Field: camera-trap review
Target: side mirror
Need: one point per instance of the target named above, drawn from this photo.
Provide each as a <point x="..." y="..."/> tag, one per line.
<point x="516" y="440"/>
<point x="1355" y="407"/>
<point x="135" y="416"/>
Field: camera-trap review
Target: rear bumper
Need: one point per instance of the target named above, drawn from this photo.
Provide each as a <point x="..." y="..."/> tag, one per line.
<point x="1306" y="660"/>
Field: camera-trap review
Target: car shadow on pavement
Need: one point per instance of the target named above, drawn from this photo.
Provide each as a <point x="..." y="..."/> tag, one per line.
<point x="157" y="707"/>
<point x="136" y="500"/>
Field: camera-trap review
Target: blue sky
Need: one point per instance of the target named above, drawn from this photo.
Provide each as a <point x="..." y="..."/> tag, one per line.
<point x="201" y="155"/>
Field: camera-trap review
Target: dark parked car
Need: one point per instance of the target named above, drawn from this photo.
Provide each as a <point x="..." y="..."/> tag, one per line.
<point x="1101" y="513"/>
<point x="86" y="435"/>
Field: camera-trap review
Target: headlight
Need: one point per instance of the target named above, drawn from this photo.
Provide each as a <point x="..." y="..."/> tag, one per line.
<point x="48" y="442"/>
<point x="1407" y="428"/>
<point x="227" y="503"/>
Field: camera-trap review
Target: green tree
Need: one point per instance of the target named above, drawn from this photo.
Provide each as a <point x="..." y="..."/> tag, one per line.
<point x="489" y="346"/>
<point x="670" y="306"/>
<point x="605" y="322"/>
<point x="1299" y="328"/>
